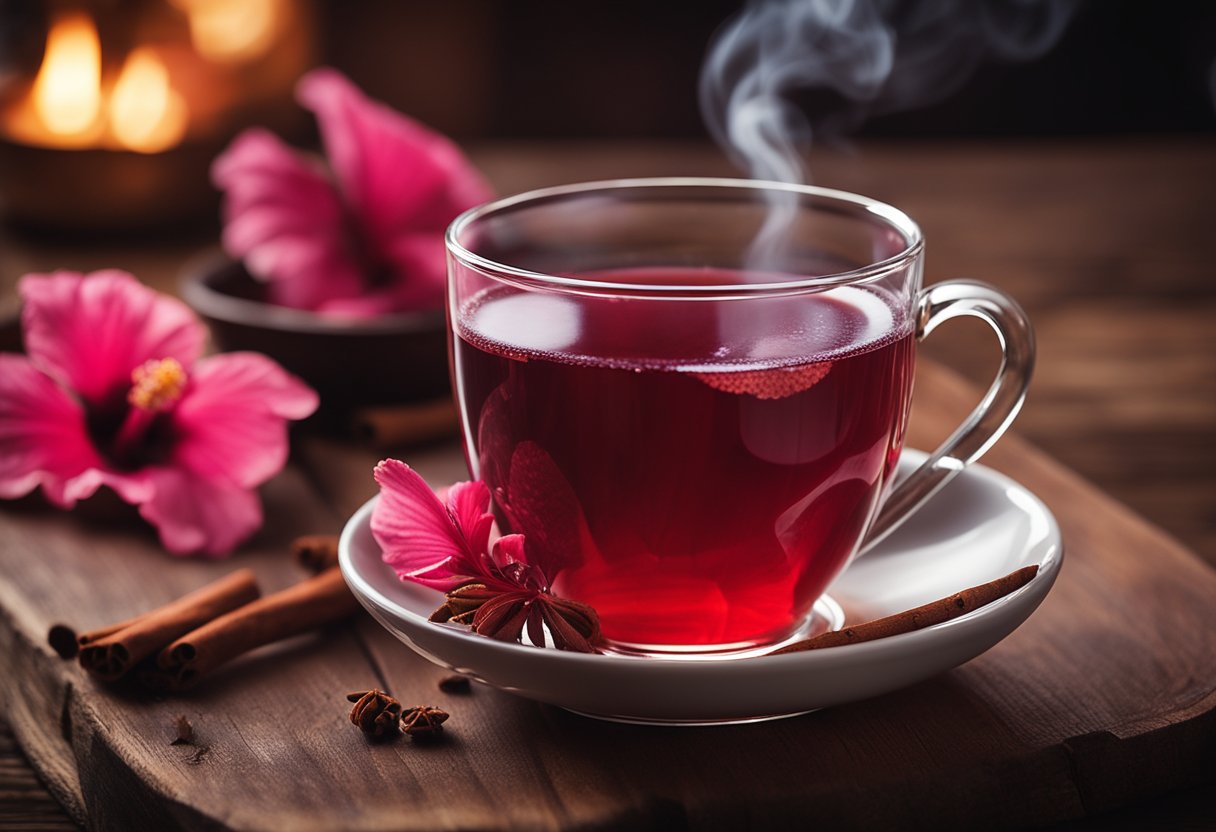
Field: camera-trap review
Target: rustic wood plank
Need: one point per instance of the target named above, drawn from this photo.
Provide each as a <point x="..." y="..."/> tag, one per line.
<point x="1052" y="724"/>
<point x="25" y="802"/>
<point x="1055" y="723"/>
<point x="105" y="753"/>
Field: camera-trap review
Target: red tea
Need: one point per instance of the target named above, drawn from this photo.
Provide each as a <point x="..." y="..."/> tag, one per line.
<point x="697" y="471"/>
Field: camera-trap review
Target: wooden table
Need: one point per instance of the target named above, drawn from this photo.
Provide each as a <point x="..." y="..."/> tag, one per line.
<point x="1102" y="242"/>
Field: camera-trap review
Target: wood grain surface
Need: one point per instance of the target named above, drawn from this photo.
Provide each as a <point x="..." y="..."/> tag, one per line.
<point x="1104" y="245"/>
<point x="1103" y="697"/>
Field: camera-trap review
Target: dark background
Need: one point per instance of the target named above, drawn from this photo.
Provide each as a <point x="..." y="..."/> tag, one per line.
<point x="628" y="69"/>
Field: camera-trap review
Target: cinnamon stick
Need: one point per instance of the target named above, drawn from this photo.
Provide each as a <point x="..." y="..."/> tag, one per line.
<point x="935" y="612"/>
<point x="297" y="609"/>
<point x="109" y="653"/>
<point x="406" y="424"/>
<point x="91" y="636"/>
<point x="316" y="552"/>
<point x="65" y="641"/>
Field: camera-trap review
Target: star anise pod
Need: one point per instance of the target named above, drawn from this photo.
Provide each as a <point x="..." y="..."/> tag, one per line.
<point x="503" y="614"/>
<point x="375" y="713"/>
<point x="573" y="625"/>
<point x="423" y="722"/>
<point x="462" y="602"/>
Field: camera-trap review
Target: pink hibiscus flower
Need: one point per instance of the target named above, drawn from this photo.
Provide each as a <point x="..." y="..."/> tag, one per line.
<point x="112" y="391"/>
<point x="445" y="544"/>
<point x="362" y="237"/>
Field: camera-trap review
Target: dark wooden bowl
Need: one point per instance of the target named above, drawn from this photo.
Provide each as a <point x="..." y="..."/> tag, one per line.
<point x="389" y="360"/>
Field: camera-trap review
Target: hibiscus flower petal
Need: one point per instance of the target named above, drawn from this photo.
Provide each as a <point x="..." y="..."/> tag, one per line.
<point x="43" y="440"/>
<point x="399" y="176"/>
<point x="545" y="507"/>
<point x="510" y="560"/>
<point x="90" y="331"/>
<point x="468" y="504"/>
<point x="231" y="423"/>
<point x="284" y="219"/>
<point x="417" y="535"/>
<point x="508" y="550"/>
<point x="134" y="487"/>
<point x="423" y="256"/>
<point x="196" y="514"/>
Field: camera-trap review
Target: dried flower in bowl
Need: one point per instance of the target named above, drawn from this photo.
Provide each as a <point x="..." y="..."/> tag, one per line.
<point x="343" y="359"/>
<point x="359" y="236"/>
<point x="113" y="391"/>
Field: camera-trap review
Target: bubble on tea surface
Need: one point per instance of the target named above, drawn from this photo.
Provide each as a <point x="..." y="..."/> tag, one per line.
<point x="836" y="324"/>
<point x="773" y="383"/>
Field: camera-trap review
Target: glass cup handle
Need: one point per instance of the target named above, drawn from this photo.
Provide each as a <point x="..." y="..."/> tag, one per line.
<point x="991" y="417"/>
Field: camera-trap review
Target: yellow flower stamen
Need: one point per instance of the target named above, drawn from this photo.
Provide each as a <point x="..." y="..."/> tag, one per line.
<point x="157" y="384"/>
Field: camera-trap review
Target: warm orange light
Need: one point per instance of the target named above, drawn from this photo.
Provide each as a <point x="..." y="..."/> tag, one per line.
<point x="232" y="31"/>
<point x="165" y="92"/>
<point x="146" y="114"/>
<point x="67" y="90"/>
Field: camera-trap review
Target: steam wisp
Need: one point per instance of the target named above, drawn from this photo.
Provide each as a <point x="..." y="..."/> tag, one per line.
<point x="879" y="56"/>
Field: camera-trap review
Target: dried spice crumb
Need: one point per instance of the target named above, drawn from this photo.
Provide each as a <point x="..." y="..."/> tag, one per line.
<point x="184" y="732"/>
<point x="316" y="552"/>
<point x="455" y="684"/>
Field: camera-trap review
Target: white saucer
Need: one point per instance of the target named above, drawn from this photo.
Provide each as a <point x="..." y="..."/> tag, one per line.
<point x="980" y="527"/>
